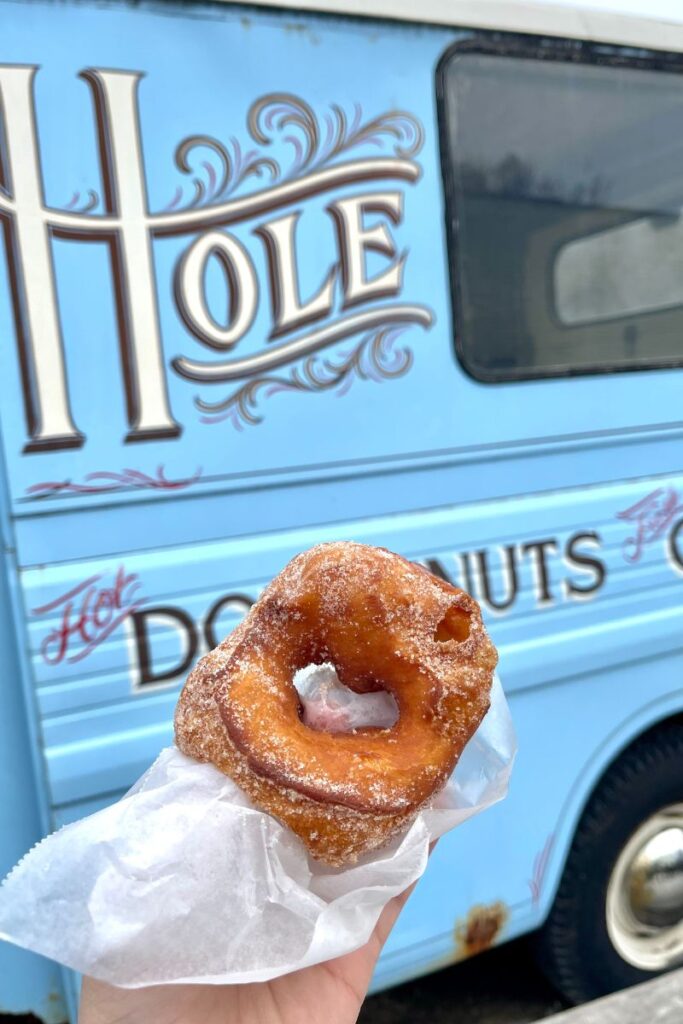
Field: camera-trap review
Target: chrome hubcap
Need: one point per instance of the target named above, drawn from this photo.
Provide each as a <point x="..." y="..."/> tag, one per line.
<point x="645" y="894"/>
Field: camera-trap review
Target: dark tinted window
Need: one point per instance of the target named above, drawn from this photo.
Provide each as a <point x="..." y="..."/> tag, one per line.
<point x="564" y="184"/>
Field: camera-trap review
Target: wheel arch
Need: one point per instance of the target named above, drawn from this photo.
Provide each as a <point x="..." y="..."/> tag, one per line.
<point x="631" y="730"/>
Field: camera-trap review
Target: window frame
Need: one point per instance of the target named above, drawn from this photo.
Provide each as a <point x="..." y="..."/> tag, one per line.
<point x="558" y="49"/>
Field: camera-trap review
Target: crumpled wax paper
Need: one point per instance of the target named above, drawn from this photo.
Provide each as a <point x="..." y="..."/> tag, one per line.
<point x="184" y="880"/>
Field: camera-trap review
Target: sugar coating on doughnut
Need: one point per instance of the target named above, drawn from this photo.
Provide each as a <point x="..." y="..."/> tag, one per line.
<point x="385" y="623"/>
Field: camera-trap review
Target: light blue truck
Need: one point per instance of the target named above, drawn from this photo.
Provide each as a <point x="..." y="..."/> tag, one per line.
<point x="272" y="278"/>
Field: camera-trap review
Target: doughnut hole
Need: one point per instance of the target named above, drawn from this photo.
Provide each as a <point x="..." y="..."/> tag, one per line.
<point x="455" y="625"/>
<point x="326" y="705"/>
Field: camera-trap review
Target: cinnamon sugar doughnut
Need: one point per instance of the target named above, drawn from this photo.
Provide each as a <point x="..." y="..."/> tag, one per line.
<point x="385" y="623"/>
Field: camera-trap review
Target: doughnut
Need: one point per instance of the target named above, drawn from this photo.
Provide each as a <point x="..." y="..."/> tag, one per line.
<point x="384" y="623"/>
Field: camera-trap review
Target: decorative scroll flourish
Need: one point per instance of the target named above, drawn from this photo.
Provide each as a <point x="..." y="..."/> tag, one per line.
<point x="314" y="141"/>
<point x="292" y="351"/>
<point x="83" y="205"/>
<point x="101" y="482"/>
<point x="540" y="867"/>
<point x="219" y="176"/>
<point x="374" y="357"/>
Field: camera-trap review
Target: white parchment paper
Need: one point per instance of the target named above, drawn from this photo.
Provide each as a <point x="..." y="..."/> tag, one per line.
<point x="183" y="880"/>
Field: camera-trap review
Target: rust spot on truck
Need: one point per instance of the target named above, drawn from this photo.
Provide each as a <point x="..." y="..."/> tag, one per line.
<point x="480" y="930"/>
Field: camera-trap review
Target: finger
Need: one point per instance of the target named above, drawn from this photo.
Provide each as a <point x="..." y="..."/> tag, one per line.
<point x="389" y="915"/>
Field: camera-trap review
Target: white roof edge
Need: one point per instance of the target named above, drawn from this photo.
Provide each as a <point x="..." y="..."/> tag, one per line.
<point x="525" y="17"/>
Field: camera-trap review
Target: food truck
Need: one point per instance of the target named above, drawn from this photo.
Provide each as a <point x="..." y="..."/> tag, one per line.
<point x="410" y="275"/>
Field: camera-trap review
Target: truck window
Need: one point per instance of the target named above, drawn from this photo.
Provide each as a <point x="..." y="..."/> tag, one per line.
<point x="564" y="193"/>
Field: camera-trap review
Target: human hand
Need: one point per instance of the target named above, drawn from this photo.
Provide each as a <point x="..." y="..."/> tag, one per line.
<point x="327" y="993"/>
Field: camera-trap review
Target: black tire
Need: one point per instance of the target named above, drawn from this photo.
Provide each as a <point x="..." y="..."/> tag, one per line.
<point x="574" y="948"/>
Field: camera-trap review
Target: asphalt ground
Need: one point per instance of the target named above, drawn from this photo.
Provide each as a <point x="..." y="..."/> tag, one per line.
<point x="503" y="986"/>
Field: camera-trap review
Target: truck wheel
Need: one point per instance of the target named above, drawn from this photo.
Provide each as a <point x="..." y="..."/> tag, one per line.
<point x="617" y="918"/>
